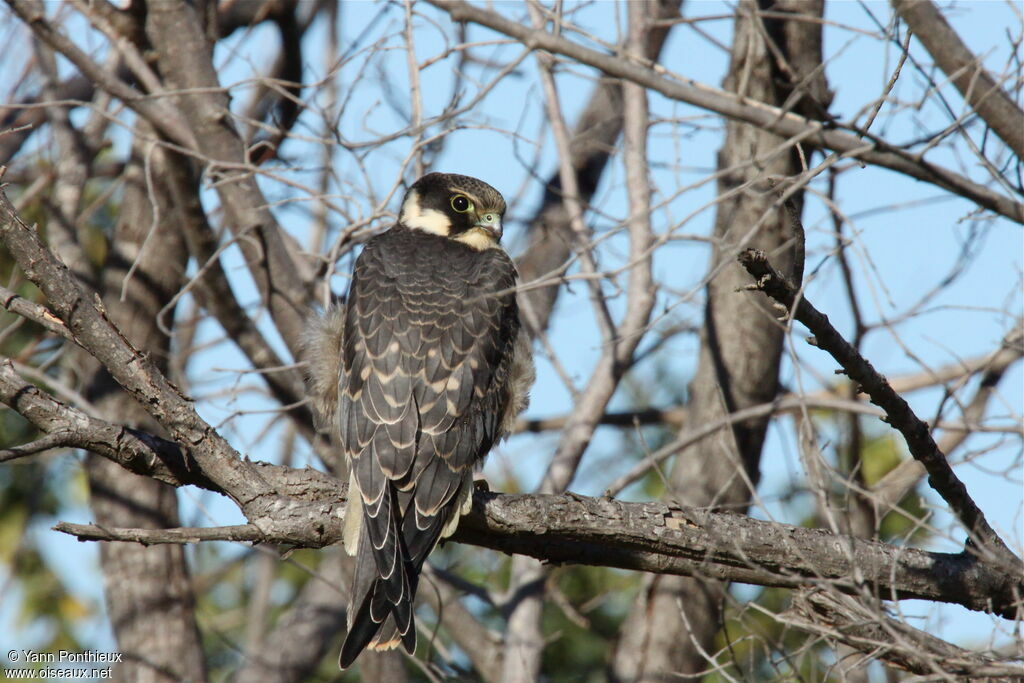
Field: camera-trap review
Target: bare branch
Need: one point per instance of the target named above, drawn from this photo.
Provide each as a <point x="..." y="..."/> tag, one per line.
<point x="18" y="121"/>
<point x="135" y="450"/>
<point x="216" y="295"/>
<point x="772" y="119"/>
<point x="186" y="62"/>
<point x="481" y="644"/>
<point x="960" y="371"/>
<point x="164" y="119"/>
<point x="247" y="533"/>
<point x="955" y="59"/>
<point x="890" y="489"/>
<point x="132" y="369"/>
<point x="153" y="235"/>
<point x="846" y="620"/>
<point x="48" y="442"/>
<point x="593" y="140"/>
<point x="304" y="632"/>
<point x="919" y="440"/>
<point x="698" y="433"/>
<point x="15" y="303"/>
<point x="651" y="537"/>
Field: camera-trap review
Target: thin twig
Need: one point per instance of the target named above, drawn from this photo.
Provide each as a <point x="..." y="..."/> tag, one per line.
<point x="16" y="303"/>
<point x="772" y="119"/>
<point x="918" y="437"/>
<point x="52" y="440"/>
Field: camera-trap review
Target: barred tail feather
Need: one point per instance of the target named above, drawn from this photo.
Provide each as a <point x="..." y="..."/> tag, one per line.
<point x="377" y="635"/>
<point x="390" y="637"/>
<point x="380" y="609"/>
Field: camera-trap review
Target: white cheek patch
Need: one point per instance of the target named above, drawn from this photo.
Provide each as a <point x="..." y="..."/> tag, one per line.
<point x="427" y="220"/>
<point x="478" y="239"/>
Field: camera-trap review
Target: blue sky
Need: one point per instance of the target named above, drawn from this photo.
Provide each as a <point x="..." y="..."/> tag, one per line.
<point x="899" y="255"/>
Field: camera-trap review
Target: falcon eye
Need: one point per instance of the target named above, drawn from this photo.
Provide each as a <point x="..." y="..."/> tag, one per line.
<point x="461" y="204"/>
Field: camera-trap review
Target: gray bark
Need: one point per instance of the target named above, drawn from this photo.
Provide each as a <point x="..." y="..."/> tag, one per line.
<point x="672" y="625"/>
<point x="148" y="590"/>
<point x="654" y="537"/>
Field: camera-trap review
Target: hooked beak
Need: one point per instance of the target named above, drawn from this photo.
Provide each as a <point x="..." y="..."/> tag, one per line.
<point x="491" y="223"/>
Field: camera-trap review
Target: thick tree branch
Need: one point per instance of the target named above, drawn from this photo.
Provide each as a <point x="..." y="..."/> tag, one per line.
<point x="671" y="539"/>
<point x="133" y="449"/>
<point x="772" y="119"/>
<point x="918" y="437"/>
<point x="660" y="538"/>
<point x="136" y="373"/>
<point x="651" y="537"/>
<point x="139" y="451"/>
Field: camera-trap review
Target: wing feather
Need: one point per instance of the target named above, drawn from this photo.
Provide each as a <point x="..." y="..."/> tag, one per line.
<point x="426" y="353"/>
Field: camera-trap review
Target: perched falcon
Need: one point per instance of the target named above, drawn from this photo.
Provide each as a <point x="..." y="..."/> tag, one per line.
<point x="420" y="375"/>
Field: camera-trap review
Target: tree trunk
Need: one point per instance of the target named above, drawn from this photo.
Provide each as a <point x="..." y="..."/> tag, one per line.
<point x="673" y="623"/>
<point x="148" y="589"/>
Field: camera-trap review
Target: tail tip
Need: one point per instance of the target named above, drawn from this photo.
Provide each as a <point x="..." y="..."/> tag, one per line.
<point x="391" y="639"/>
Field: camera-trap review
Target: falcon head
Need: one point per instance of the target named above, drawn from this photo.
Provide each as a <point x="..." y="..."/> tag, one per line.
<point x="455" y="206"/>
